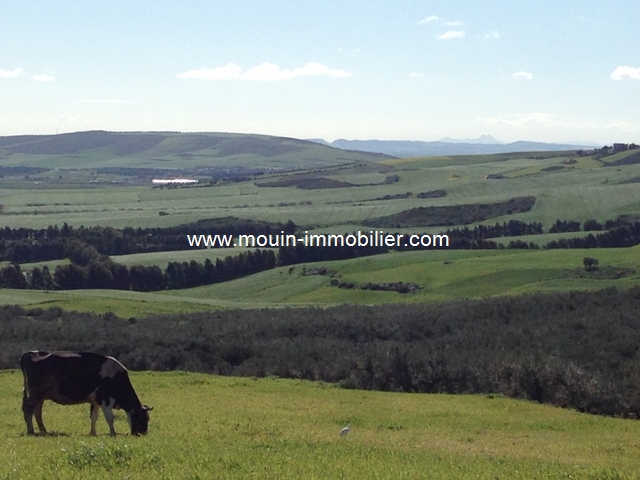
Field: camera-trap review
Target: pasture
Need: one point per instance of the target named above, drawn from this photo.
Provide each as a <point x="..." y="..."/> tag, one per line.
<point x="162" y="259"/>
<point x="219" y="427"/>
<point x="586" y="189"/>
<point x="120" y="302"/>
<point x="442" y="275"/>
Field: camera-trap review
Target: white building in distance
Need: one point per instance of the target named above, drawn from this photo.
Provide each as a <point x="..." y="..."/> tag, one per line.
<point x="173" y="181"/>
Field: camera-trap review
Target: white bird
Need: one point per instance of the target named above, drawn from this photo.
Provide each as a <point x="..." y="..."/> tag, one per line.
<point x="344" y="431"/>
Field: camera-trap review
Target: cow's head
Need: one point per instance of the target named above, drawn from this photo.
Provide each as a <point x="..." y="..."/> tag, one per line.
<point x="140" y="420"/>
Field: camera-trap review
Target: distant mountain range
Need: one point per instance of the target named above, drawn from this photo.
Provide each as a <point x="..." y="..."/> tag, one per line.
<point x="194" y="151"/>
<point x="484" y="144"/>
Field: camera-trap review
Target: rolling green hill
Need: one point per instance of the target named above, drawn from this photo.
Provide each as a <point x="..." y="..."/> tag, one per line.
<point x="170" y="151"/>
<point x="441" y="276"/>
<point x="104" y="178"/>
<point x="339" y="198"/>
<point x="594" y="191"/>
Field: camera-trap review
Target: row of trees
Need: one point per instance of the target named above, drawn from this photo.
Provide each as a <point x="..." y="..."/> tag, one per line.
<point x="193" y="274"/>
<point x="563" y="226"/>
<point x="512" y="228"/>
<point x="101" y="272"/>
<point x="578" y="350"/>
<point x="624" y="236"/>
<point x="617" y="235"/>
<point x="24" y="245"/>
<point x="91" y="269"/>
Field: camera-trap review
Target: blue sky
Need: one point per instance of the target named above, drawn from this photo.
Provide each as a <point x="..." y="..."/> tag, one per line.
<point x="552" y="71"/>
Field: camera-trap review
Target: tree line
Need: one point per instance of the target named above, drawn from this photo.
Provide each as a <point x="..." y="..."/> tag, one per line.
<point x="91" y="268"/>
<point x="100" y="272"/>
<point x="26" y="245"/>
<point x="578" y="350"/>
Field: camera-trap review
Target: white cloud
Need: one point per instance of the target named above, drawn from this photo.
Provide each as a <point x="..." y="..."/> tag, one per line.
<point x="263" y="72"/>
<point x="451" y="34"/>
<point x="416" y="74"/>
<point x="267" y="72"/>
<point x="621" y="126"/>
<point x="72" y="122"/>
<point x="429" y="19"/>
<point x="521" y="119"/>
<point x="315" y="69"/>
<point x="15" y="73"/>
<point x="492" y="35"/>
<point x="230" y="71"/>
<point x="43" y="77"/>
<point x="625" y="72"/>
<point x="522" y="75"/>
<point x="542" y="121"/>
<point x="352" y="51"/>
<point x="111" y="101"/>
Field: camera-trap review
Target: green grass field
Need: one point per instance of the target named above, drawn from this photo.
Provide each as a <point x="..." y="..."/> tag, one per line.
<point x="581" y="191"/>
<point x="162" y="259"/>
<point x="236" y="428"/>
<point x="442" y="275"/>
<point x="122" y="303"/>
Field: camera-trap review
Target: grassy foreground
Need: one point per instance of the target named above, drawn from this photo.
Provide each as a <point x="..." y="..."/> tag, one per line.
<point x="213" y="427"/>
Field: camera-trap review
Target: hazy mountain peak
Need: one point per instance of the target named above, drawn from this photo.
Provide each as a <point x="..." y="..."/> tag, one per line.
<point x="483" y="145"/>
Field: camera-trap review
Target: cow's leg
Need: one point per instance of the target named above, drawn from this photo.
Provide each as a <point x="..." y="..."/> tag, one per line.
<point x="38" y="413"/>
<point x="27" y="410"/>
<point x="31" y="407"/>
<point x="109" y="417"/>
<point x="93" y="413"/>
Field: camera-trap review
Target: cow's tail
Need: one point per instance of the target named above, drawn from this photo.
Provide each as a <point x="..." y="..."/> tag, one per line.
<point x="25" y="361"/>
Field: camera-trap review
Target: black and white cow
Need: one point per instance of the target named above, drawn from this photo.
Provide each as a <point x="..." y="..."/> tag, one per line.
<point x="70" y="378"/>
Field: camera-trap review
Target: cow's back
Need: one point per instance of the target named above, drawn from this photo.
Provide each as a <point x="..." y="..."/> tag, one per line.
<point x="64" y="377"/>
